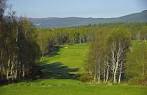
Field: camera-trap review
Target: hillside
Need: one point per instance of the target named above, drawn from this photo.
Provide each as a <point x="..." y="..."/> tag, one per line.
<point x="76" y="21"/>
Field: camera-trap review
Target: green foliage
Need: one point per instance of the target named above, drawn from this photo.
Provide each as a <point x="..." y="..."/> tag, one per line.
<point x="18" y="48"/>
<point x="50" y="37"/>
<point x="137" y="61"/>
<point x="108" y="53"/>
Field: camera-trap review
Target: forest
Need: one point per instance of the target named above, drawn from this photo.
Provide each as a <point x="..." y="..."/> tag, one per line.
<point x="116" y="52"/>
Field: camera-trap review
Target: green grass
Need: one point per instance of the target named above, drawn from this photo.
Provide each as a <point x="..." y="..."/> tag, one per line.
<point x="71" y="56"/>
<point x="69" y="87"/>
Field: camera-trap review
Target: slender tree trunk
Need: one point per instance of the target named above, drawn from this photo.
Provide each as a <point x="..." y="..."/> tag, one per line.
<point x="120" y="73"/>
<point x="104" y="75"/>
<point x="107" y="72"/>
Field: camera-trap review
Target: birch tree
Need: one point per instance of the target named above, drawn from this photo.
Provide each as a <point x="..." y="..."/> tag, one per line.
<point x="118" y="43"/>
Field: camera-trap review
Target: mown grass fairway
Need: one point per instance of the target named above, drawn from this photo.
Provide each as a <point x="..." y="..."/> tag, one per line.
<point x="73" y="56"/>
<point x="70" y="56"/>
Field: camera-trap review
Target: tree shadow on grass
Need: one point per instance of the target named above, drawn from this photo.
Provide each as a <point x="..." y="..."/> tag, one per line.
<point x="53" y="51"/>
<point x="58" y="70"/>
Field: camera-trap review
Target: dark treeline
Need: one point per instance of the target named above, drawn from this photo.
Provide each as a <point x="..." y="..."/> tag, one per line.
<point x="49" y="37"/>
<point x="18" y="48"/>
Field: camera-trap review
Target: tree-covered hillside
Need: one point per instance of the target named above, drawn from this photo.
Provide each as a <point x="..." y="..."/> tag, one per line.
<point x="78" y="21"/>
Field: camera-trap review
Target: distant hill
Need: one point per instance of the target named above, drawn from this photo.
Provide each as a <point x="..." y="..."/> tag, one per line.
<point x="76" y="21"/>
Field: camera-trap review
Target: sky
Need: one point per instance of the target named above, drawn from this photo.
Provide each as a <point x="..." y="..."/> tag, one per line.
<point x="77" y="8"/>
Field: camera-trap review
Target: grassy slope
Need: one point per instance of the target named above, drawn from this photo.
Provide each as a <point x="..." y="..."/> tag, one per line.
<point x="73" y="56"/>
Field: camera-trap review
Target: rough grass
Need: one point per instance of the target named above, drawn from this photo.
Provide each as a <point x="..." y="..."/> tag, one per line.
<point x="69" y="87"/>
<point x="70" y="56"/>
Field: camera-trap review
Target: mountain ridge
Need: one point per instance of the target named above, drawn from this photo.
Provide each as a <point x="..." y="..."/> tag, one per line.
<point x="77" y="21"/>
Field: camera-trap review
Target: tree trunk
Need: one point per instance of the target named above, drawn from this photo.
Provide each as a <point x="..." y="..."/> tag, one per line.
<point x="120" y="73"/>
